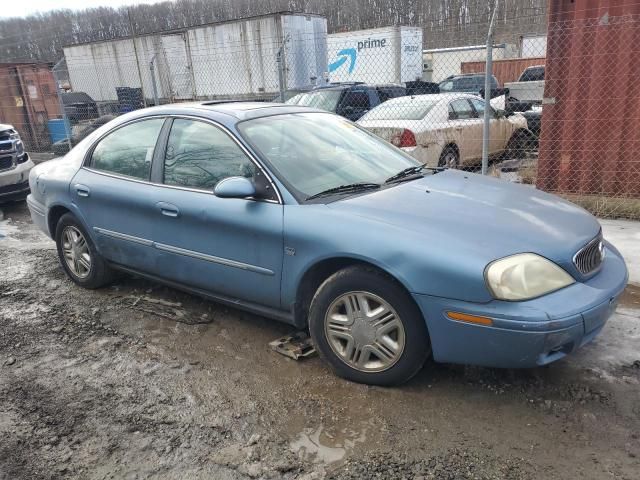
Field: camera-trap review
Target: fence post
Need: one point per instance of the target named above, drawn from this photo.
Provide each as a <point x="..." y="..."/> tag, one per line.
<point x="153" y="82"/>
<point x="61" y="103"/>
<point x="281" y="67"/>
<point x="488" y="73"/>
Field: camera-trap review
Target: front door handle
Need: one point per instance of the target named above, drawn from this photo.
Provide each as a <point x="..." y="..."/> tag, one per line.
<point x="168" y="209"/>
<point x="82" y="190"/>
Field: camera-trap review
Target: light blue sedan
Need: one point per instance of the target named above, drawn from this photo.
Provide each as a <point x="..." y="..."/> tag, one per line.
<point x="304" y="217"/>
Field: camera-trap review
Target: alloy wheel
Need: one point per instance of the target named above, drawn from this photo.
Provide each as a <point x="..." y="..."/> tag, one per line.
<point x="450" y="159"/>
<point x="364" y="331"/>
<point x="76" y="252"/>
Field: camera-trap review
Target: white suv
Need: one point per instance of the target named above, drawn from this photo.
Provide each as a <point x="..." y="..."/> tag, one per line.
<point x="15" y="165"/>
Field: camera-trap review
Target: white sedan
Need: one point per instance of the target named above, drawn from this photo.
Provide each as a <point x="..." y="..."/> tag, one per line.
<point x="445" y="129"/>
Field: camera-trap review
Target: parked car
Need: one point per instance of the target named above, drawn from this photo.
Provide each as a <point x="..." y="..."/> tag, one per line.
<point x="531" y="112"/>
<point x="419" y="87"/>
<point x="532" y="74"/>
<point x="79" y="106"/>
<point x="466" y="83"/>
<point x="529" y="87"/>
<point x="15" y="165"/>
<point x="445" y="130"/>
<point x="350" y="100"/>
<point x="62" y="146"/>
<point x="302" y="216"/>
<point x="293" y="93"/>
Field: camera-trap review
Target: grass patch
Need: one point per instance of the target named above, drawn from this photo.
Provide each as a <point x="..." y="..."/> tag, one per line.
<point x="606" y="207"/>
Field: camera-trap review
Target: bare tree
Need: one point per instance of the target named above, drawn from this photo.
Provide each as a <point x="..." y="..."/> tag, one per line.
<point x="445" y="22"/>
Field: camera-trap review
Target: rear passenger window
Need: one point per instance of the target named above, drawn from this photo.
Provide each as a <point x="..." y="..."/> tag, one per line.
<point x="128" y="151"/>
<point x="387" y="93"/>
<point x="199" y="155"/>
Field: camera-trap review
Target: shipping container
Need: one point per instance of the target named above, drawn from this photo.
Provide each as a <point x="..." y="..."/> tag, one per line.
<point x="379" y="55"/>
<point x="228" y="59"/>
<point x="508" y="70"/>
<point x="591" y="118"/>
<point x="441" y="63"/>
<point x="28" y="101"/>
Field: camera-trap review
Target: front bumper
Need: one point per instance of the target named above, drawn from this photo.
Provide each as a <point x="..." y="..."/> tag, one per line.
<point x="14" y="183"/>
<point x="526" y="334"/>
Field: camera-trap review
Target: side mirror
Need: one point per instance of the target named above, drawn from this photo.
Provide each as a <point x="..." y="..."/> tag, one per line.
<point x="234" y="187"/>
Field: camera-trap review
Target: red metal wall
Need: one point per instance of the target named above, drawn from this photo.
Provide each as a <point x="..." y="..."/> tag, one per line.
<point x="504" y="70"/>
<point x="28" y="100"/>
<point x="590" y="140"/>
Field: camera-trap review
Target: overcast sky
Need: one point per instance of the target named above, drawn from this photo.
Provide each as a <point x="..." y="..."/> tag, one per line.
<point x="21" y="8"/>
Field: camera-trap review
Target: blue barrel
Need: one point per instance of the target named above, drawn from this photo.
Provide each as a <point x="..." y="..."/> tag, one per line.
<point x="58" y="130"/>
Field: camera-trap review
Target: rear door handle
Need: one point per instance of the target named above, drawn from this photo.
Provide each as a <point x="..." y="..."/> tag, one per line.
<point x="82" y="190"/>
<point x="168" y="209"/>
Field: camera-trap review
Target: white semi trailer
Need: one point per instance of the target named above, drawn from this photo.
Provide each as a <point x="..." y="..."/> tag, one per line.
<point x="378" y="55"/>
<point x="238" y="59"/>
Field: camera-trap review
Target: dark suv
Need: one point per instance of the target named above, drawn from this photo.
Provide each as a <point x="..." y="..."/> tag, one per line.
<point x="468" y="83"/>
<point x="351" y="100"/>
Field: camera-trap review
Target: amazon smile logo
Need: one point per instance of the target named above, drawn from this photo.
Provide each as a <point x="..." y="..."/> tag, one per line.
<point x="345" y="55"/>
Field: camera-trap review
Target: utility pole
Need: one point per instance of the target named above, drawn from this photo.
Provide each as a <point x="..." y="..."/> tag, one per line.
<point x="134" y="36"/>
<point x="488" y="74"/>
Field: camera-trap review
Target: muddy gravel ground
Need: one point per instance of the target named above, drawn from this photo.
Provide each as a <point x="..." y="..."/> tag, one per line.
<point x="138" y="381"/>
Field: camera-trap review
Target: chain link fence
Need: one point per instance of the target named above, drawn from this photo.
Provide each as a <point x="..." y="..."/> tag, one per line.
<point x="564" y="109"/>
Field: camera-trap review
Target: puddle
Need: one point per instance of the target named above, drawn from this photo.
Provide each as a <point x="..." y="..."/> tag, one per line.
<point x="327" y="446"/>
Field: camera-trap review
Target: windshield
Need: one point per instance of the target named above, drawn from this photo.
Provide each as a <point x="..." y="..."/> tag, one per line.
<point x="312" y="152"/>
<point x="406" y="110"/>
<point x="323" y="99"/>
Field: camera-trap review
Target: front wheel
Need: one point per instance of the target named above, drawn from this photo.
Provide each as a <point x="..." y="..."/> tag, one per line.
<point x="368" y="328"/>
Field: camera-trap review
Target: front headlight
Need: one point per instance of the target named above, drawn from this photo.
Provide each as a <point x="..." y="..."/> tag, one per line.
<point x="525" y="276"/>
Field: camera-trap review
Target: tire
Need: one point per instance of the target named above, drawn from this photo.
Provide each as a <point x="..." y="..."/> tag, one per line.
<point x="389" y="354"/>
<point x="450" y="158"/>
<point x="91" y="271"/>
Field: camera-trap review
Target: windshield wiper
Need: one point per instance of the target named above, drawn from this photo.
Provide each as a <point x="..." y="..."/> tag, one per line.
<point x="406" y="173"/>
<point x="350" y="188"/>
<point x="411" y="172"/>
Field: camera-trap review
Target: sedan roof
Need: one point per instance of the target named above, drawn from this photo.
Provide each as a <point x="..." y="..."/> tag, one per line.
<point x="429" y="98"/>
<point x="238" y="110"/>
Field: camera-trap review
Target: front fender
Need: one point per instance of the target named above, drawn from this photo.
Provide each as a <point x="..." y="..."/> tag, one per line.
<point x="314" y="233"/>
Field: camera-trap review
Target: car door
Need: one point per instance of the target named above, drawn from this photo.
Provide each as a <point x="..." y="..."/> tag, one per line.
<point x="228" y="246"/>
<point x="114" y="195"/>
<point x="354" y="104"/>
<point x="465" y="129"/>
<point x="499" y="131"/>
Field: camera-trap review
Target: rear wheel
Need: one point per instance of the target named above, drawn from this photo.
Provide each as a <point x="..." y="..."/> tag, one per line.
<point x="368" y="328"/>
<point x="78" y="255"/>
<point x="449" y="158"/>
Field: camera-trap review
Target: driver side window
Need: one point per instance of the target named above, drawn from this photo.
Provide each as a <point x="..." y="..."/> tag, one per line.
<point x="199" y="155"/>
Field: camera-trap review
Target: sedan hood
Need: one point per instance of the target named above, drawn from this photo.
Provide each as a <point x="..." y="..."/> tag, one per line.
<point x="482" y="217"/>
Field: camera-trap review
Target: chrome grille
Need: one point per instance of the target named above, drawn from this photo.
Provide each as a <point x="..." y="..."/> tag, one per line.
<point x="589" y="258"/>
<point x="6" y="162"/>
